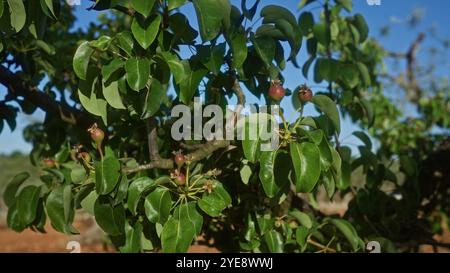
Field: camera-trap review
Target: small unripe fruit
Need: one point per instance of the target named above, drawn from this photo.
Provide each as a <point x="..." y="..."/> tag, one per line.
<point x="85" y="156"/>
<point x="180" y="179"/>
<point x="305" y="94"/>
<point x="49" y="163"/>
<point x="276" y="91"/>
<point x="293" y="225"/>
<point x="97" y="134"/>
<point x="179" y="159"/>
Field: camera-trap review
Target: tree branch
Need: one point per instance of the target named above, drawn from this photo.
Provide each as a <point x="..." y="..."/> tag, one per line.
<point x="18" y="87"/>
<point x="202" y="151"/>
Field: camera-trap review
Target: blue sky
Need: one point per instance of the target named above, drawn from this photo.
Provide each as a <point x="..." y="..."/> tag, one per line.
<point x="391" y="12"/>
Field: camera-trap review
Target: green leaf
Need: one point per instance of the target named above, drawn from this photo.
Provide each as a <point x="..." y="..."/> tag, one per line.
<point x="306" y="22"/>
<point x="56" y="206"/>
<point x="112" y="96"/>
<point x="157" y="205"/>
<point x="122" y="189"/>
<point x="136" y="189"/>
<point x="178" y="68"/>
<point x="109" y="69"/>
<point x="265" y="224"/>
<point x="9" y="195"/>
<point x="212" y="57"/>
<point x="126" y="42"/>
<point x="360" y="23"/>
<point x="265" y="47"/>
<point x="133" y="238"/>
<point x="301" y="234"/>
<point x="88" y="202"/>
<point x="364" y="72"/>
<point x="250" y="142"/>
<point x="322" y="34"/>
<point x="81" y="59"/>
<point x="364" y="138"/>
<point x="18" y="14"/>
<point x="179" y="231"/>
<point x="173" y="4"/>
<point x="190" y="85"/>
<point x="49" y="49"/>
<point x="306" y="160"/>
<point x="143" y="7"/>
<point x="49" y="4"/>
<point x="154" y="98"/>
<point x="327" y="69"/>
<point x="329" y="108"/>
<point x="13" y="219"/>
<point x="272" y="13"/>
<point x="246" y="173"/>
<point x="302" y="218"/>
<point x="213" y="203"/>
<point x="210" y="14"/>
<point x="145" y="31"/>
<point x="138" y="72"/>
<point x="189" y="214"/>
<point x="107" y="172"/>
<point x="267" y="162"/>
<point x="349" y="232"/>
<point x="109" y="217"/>
<point x="274" y="241"/>
<point x="27" y="203"/>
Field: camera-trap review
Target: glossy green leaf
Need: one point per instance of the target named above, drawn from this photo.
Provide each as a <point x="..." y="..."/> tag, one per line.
<point x="301" y="235"/>
<point x="143" y="7"/>
<point x="306" y="160"/>
<point x="18" y="14"/>
<point x="110" y="217"/>
<point x="126" y="42"/>
<point x="135" y="191"/>
<point x="265" y="224"/>
<point x="265" y="47"/>
<point x="145" y="31"/>
<point x="109" y="69"/>
<point x="266" y="175"/>
<point x="190" y="85"/>
<point x="272" y="13"/>
<point x="189" y="214"/>
<point x="49" y="4"/>
<point x="215" y="202"/>
<point x="133" y="238"/>
<point x="27" y="203"/>
<point x="56" y="206"/>
<point x="138" y="72"/>
<point x="13" y="219"/>
<point x="210" y="14"/>
<point x="9" y="195"/>
<point x="112" y="96"/>
<point x="178" y="68"/>
<point x="157" y="205"/>
<point x="329" y="108"/>
<point x="274" y="241"/>
<point x="154" y="98"/>
<point x="81" y="59"/>
<point x="178" y="232"/>
<point x="303" y="218"/>
<point x="349" y="232"/>
<point x="107" y="172"/>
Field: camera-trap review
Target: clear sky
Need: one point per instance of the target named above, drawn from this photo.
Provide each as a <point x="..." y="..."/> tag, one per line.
<point x="393" y="13"/>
